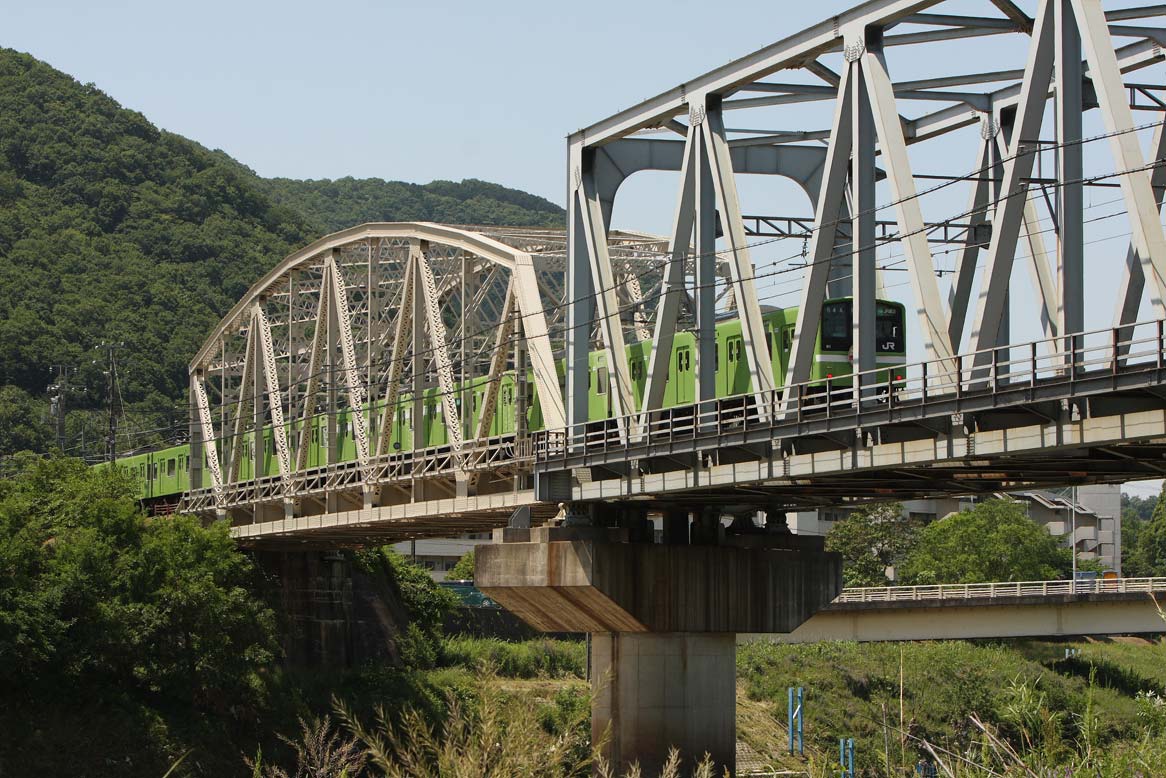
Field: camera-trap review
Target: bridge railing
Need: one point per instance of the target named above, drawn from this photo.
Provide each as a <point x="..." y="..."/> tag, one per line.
<point x="982" y="591"/>
<point x="1060" y="361"/>
<point x="476" y="456"/>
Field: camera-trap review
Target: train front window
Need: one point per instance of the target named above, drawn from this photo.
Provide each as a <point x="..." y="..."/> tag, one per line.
<point x="836" y="332"/>
<point x="888" y="329"/>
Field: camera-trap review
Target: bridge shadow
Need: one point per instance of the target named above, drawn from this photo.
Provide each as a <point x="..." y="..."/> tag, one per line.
<point x="1106" y="671"/>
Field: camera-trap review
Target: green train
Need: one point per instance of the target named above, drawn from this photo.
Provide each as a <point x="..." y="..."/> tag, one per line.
<point x="163" y="474"/>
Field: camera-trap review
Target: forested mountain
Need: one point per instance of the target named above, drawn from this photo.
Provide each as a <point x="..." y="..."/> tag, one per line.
<point x="112" y="230"/>
<point x="334" y="205"/>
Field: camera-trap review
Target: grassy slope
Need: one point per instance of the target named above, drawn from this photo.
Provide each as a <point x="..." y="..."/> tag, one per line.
<point x="847" y="688"/>
<point x="851" y="687"/>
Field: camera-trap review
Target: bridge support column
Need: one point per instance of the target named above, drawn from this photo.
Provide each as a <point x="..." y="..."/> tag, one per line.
<point x="654" y="691"/>
<point x="663" y="618"/>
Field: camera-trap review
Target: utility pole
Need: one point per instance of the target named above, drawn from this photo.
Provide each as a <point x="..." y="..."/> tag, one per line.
<point x="112" y="398"/>
<point x="1073" y="532"/>
<point x="57" y="394"/>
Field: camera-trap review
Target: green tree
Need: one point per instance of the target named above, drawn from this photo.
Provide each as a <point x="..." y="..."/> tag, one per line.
<point x="95" y="594"/>
<point x="22" y="427"/>
<point x="426" y="604"/>
<point x="871" y="539"/>
<point x="993" y="541"/>
<point x="1148" y="555"/>
<point x="463" y="570"/>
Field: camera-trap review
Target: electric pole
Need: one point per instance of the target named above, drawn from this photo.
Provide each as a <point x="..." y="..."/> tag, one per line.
<point x="112" y="398"/>
<point x="58" y="390"/>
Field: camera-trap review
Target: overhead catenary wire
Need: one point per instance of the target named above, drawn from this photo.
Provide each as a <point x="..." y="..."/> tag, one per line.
<point x="835" y="255"/>
<point x="436" y="393"/>
<point x="773" y="273"/>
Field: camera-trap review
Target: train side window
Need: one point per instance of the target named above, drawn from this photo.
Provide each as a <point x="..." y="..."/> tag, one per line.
<point x="171" y="467"/>
<point x="716" y="357"/>
<point x="680" y="361"/>
<point x="155" y="475"/>
<point x="601" y="381"/>
<point x="770" y="339"/>
<point x="787" y="338"/>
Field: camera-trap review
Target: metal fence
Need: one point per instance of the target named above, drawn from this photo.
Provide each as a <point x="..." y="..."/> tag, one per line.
<point x="1005" y="374"/>
<point x="988" y="591"/>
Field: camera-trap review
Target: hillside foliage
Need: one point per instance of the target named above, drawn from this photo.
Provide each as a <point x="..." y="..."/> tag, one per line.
<point x="115" y="231"/>
<point x="332" y="205"/>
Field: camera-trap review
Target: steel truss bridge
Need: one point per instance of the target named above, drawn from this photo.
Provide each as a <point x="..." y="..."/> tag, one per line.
<point x="846" y="111"/>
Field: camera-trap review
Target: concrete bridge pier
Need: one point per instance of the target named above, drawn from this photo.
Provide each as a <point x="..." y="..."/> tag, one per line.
<point x="652" y="691"/>
<point x="663" y="619"/>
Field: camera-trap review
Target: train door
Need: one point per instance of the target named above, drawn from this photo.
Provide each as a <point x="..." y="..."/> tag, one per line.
<point x="505" y="409"/>
<point x="683" y="388"/>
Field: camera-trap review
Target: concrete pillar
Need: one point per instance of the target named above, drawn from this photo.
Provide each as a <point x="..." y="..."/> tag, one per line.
<point x="652" y="691"/>
<point x="675" y="527"/>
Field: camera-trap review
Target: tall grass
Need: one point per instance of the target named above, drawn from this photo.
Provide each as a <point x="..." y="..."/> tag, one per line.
<point x="543" y="658"/>
<point x="488" y="737"/>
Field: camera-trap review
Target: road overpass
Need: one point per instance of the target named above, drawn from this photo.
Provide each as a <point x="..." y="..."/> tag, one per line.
<point x="1028" y="609"/>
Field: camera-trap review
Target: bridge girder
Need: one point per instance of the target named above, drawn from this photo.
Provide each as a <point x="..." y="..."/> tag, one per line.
<point x="880" y="119"/>
<point x="344" y="328"/>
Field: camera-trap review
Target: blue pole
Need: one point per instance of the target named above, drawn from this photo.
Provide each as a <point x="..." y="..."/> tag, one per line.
<point x="801" y="723"/>
<point x="790" y="710"/>
<point x="850" y="758"/>
<point x="842" y="755"/>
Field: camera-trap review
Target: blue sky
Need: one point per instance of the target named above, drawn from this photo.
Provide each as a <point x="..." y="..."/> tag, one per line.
<point x="410" y="91"/>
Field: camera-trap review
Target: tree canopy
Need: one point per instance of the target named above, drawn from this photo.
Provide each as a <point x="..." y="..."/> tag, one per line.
<point x="332" y="205"/>
<point x="94" y="593"/>
<point x="871" y="540"/>
<point x="463" y="570"/>
<point x="1146" y="553"/>
<point x="992" y="541"/>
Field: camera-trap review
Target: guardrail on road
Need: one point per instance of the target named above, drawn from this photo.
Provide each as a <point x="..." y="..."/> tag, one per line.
<point x="989" y="591"/>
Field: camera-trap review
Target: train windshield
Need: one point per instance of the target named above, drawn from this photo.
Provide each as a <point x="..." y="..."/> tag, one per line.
<point x="888" y="329"/>
<point x="836" y="327"/>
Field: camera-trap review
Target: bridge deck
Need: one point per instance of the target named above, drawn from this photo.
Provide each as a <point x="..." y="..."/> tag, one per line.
<point x="980" y="422"/>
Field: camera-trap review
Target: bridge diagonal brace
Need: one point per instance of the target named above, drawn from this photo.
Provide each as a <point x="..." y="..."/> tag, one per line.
<point x="538" y="342"/>
<point x="274" y="398"/>
<point x="207" y="430"/>
<point x="315" y="360"/>
<point x="243" y="406"/>
<point x="978" y="205"/>
<point x="831" y="195"/>
<point x="607" y="308"/>
<point x="740" y="264"/>
<point x="397" y="358"/>
<point x="631" y="285"/>
<point x="1147" y="235"/>
<point x="1134" y="279"/>
<point x="672" y="285"/>
<point x="445" y="382"/>
<point x="889" y="129"/>
<point x="1013" y="194"/>
<point x="348" y="362"/>
<point x="497" y="364"/>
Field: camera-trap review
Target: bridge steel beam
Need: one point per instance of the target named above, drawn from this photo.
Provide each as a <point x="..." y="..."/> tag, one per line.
<point x="318" y="353"/>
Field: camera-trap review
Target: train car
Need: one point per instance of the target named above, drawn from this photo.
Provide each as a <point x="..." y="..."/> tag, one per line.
<point x="163" y="475"/>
